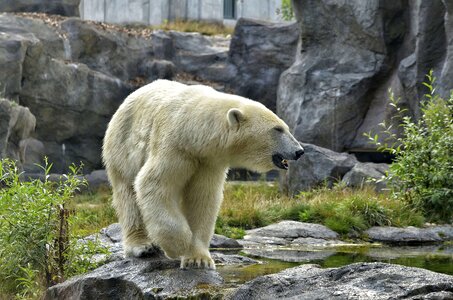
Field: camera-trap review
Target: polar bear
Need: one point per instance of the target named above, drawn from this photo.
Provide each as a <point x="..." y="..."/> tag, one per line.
<point x="167" y="150"/>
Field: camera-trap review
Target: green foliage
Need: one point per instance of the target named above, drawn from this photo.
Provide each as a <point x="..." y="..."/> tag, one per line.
<point x="286" y="10"/>
<point x="344" y="210"/>
<point x="94" y="211"/>
<point x="37" y="247"/>
<point x="422" y="173"/>
<point x="230" y="231"/>
<point x="341" y="209"/>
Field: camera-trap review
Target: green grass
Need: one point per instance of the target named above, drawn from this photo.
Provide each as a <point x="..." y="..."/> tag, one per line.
<point x="248" y="206"/>
<point x="93" y="211"/>
<point x="343" y="210"/>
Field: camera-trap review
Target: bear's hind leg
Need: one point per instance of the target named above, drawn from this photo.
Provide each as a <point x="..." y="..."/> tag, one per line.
<point x="136" y="242"/>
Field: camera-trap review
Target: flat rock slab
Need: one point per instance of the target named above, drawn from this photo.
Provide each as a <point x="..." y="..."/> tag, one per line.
<point x="357" y="281"/>
<point x="222" y="242"/>
<point x="289" y="254"/>
<point x="137" y="279"/>
<point x="290" y="230"/>
<point x="445" y="232"/>
<point x="410" y="235"/>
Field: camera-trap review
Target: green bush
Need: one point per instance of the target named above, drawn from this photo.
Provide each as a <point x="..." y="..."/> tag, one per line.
<point x="37" y="248"/>
<point x="286" y="10"/>
<point x="422" y="172"/>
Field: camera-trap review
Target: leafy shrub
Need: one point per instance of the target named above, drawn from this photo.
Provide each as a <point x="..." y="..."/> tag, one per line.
<point x="286" y="10"/>
<point x="422" y="173"/>
<point x="37" y="248"/>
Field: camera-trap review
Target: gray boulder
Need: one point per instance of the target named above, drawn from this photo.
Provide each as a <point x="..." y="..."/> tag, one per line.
<point x="97" y="179"/>
<point x="362" y="173"/>
<point x="318" y="166"/>
<point x="73" y="75"/>
<point x="261" y="51"/>
<point x="342" y="52"/>
<point x="19" y="34"/>
<point x="445" y="232"/>
<point x="111" y="52"/>
<point x="56" y="7"/>
<point x="447" y="69"/>
<point x="291" y="230"/>
<point x="222" y="242"/>
<point x="303" y="242"/>
<point x="34" y="154"/>
<point x="157" y="69"/>
<point x="16" y="125"/>
<point x="350" y="53"/>
<point x="356" y="281"/>
<point x="407" y="235"/>
<point x="113" y="232"/>
<point x="138" y="279"/>
<point x="154" y="277"/>
<point x="201" y="56"/>
<point x="72" y="105"/>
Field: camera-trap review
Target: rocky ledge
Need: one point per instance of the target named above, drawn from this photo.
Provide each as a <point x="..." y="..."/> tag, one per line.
<point x="356" y="281"/>
<point x="160" y="278"/>
<point x="157" y="277"/>
<point x="411" y="235"/>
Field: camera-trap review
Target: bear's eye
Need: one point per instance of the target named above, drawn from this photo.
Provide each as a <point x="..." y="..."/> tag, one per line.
<point x="279" y="129"/>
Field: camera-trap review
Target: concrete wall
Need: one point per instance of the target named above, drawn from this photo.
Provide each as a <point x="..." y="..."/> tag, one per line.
<point x="155" y="12"/>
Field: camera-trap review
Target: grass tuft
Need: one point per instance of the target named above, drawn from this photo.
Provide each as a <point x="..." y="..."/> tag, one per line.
<point x="342" y="209"/>
<point x="93" y="211"/>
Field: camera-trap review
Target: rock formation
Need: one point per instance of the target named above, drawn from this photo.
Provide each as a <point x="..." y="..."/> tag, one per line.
<point x="57" y="7"/>
<point x="157" y="277"/>
<point x="350" y="53"/>
<point x="355" y="281"/>
<point x="16" y="125"/>
<point x="261" y="51"/>
<point x="73" y="75"/>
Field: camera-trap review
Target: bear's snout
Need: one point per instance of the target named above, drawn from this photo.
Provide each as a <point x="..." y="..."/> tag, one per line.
<point x="299" y="153"/>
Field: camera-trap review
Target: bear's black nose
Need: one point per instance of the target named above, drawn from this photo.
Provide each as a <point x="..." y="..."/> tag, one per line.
<point x="299" y="153"/>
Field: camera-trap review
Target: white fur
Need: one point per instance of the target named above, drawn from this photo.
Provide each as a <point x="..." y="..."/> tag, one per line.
<point x="167" y="150"/>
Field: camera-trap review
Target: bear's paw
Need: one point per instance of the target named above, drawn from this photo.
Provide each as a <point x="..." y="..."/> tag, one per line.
<point x="198" y="262"/>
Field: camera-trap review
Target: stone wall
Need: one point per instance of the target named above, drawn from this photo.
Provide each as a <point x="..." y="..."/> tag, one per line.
<point x="155" y="12"/>
<point x="350" y="53"/>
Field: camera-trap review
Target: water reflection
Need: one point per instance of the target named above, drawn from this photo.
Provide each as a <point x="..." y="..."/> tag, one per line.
<point x="437" y="258"/>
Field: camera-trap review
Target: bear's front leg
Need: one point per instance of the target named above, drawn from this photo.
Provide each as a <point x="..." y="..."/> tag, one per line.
<point x="202" y="198"/>
<point x="159" y="197"/>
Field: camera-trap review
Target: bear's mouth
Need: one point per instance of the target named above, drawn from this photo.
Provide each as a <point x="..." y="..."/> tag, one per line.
<point x="280" y="162"/>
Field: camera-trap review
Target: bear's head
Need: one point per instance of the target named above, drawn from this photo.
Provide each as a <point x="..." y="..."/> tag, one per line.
<point x="260" y="140"/>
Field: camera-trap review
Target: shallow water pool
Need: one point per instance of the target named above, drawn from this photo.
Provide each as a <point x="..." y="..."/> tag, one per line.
<point x="437" y="258"/>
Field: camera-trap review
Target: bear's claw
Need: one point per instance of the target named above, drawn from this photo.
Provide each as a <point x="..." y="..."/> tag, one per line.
<point x="197" y="263"/>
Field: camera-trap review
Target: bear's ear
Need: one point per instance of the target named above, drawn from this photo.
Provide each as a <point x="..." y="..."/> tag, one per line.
<point x="235" y="117"/>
